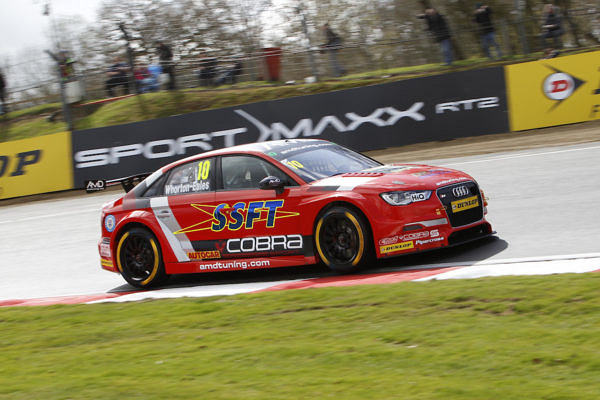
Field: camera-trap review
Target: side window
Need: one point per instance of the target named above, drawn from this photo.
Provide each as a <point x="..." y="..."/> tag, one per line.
<point x="194" y="177"/>
<point x="156" y="189"/>
<point x="246" y="172"/>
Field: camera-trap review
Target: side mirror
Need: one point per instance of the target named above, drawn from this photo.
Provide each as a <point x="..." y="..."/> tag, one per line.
<point x="272" y="183"/>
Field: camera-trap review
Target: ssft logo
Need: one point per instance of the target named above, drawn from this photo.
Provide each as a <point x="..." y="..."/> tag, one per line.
<point x="240" y="215"/>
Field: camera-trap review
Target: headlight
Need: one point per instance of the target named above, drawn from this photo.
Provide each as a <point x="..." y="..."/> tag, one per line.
<point x="404" y="198"/>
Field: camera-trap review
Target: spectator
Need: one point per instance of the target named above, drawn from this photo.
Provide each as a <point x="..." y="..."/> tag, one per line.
<point x="145" y="81"/>
<point x="208" y="71"/>
<point x="486" y="30"/>
<point x="436" y="24"/>
<point x="333" y="44"/>
<point x="3" y="108"/>
<point x="229" y="73"/>
<point x="67" y="70"/>
<point x="552" y="26"/>
<point x="117" y="76"/>
<point x="165" y="56"/>
<point x="155" y="71"/>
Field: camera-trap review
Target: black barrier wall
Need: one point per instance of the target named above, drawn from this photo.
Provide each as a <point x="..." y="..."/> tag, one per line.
<point x="426" y="109"/>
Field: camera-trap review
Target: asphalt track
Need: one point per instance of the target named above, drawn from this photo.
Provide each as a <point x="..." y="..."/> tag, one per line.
<point x="543" y="204"/>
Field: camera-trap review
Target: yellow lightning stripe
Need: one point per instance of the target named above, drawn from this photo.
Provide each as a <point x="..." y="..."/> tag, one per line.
<point x="198" y="226"/>
<point x="277" y="214"/>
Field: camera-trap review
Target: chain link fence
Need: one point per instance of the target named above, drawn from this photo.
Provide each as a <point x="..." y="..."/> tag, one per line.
<point x="518" y="38"/>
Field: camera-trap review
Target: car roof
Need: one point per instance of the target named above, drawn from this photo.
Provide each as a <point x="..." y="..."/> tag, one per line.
<point x="250" y="148"/>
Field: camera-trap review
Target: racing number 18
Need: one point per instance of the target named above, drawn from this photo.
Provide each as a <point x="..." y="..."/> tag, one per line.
<point x="203" y="170"/>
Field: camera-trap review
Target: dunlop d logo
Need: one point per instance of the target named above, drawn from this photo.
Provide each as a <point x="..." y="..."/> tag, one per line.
<point x="464" y="204"/>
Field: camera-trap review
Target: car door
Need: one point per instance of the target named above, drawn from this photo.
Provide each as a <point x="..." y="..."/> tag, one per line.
<point x="253" y="222"/>
<point x="181" y="210"/>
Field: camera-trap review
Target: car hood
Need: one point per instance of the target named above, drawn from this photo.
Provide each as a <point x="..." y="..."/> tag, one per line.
<point x="396" y="177"/>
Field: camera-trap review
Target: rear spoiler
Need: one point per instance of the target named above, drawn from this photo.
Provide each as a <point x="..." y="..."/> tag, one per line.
<point x="128" y="183"/>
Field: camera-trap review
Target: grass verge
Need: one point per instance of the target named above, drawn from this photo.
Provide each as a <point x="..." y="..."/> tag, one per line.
<point x="495" y="338"/>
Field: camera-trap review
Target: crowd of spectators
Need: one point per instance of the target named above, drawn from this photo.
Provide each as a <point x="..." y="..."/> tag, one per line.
<point x="213" y="71"/>
<point x="551" y="28"/>
<point x="149" y="78"/>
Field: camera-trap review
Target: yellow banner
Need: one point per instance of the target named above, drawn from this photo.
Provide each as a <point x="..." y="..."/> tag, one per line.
<point x="555" y="91"/>
<point x="37" y="165"/>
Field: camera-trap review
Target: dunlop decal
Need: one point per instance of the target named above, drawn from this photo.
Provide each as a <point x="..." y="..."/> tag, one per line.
<point x="464" y="204"/>
<point x="396" y="247"/>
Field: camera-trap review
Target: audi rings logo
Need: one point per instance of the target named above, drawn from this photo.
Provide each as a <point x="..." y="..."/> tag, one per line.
<point x="460" y="191"/>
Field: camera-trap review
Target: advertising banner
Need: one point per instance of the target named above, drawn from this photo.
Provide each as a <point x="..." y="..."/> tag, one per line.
<point x="555" y="91"/>
<point x="37" y="165"/>
<point x="418" y="110"/>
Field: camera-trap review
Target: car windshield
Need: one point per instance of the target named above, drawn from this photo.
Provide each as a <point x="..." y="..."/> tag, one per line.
<point x="320" y="160"/>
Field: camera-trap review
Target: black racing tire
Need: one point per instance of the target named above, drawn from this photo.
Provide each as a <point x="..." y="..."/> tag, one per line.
<point x="139" y="258"/>
<point x="343" y="239"/>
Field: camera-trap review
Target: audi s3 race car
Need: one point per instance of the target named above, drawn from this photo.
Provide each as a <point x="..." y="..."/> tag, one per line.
<point x="285" y="203"/>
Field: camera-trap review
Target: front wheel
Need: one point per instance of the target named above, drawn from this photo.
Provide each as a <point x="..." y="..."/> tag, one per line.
<point x="342" y="239"/>
<point x="139" y="258"/>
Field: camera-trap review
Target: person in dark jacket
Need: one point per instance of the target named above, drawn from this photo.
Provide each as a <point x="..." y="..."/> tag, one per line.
<point x="437" y="26"/>
<point x="552" y="26"/>
<point x="3" y="109"/>
<point x="165" y="56"/>
<point x="118" y="75"/>
<point x="486" y="30"/>
<point x="333" y="44"/>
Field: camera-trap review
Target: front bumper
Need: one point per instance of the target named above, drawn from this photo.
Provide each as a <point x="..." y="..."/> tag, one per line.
<point x="455" y="215"/>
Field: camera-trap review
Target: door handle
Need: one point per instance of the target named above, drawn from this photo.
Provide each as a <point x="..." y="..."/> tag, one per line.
<point x="164" y="214"/>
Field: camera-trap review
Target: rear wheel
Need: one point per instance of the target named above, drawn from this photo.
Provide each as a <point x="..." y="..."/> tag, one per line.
<point x="342" y="239"/>
<point x="139" y="258"/>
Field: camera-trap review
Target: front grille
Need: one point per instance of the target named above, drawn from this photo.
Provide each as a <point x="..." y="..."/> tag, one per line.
<point x="462" y="217"/>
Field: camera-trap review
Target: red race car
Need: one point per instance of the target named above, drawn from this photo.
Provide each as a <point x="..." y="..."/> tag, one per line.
<point x="284" y="203"/>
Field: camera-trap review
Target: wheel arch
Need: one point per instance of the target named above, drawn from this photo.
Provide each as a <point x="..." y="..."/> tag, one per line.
<point x="347" y="204"/>
<point x="132" y="224"/>
<point x="127" y="226"/>
<point x="157" y="274"/>
<point x="342" y="203"/>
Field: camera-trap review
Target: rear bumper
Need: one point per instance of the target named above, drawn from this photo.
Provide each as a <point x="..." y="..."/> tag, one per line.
<point x="106" y="259"/>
